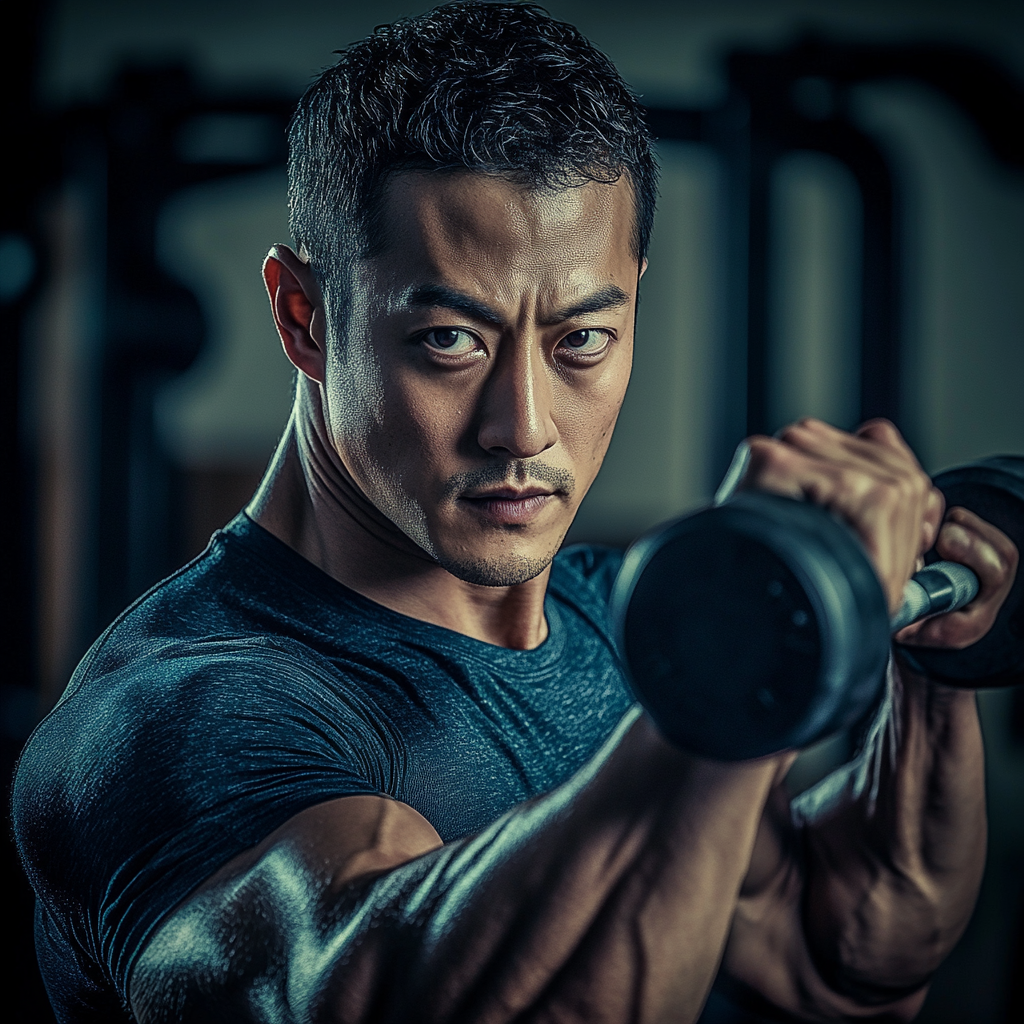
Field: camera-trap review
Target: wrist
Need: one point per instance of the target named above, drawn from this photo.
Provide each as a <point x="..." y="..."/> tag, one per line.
<point x="940" y="696"/>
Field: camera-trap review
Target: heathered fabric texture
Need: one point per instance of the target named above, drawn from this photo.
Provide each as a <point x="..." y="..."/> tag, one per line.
<point x="249" y="686"/>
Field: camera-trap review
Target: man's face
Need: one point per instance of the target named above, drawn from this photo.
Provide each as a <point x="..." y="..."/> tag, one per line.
<point x="483" y="364"/>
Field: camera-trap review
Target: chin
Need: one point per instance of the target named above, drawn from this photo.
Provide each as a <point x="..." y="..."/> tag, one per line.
<point x="507" y="570"/>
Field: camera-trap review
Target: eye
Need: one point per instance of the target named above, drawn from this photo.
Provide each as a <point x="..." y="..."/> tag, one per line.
<point x="450" y="341"/>
<point x="586" y="342"/>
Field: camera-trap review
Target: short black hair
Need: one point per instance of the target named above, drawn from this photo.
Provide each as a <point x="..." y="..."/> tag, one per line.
<point x="500" y="88"/>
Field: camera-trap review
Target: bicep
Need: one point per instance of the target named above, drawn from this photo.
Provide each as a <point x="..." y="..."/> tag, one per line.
<point x="228" y="947"/>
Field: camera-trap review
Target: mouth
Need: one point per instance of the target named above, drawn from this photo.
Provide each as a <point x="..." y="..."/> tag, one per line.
<point x="509" y="505"/>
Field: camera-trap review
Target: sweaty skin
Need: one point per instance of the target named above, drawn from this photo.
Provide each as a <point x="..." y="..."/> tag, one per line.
<point x="460" y="414"/>
<point x="441" y="440"/>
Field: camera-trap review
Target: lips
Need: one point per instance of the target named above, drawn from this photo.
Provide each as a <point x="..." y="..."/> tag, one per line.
<point x="507" y="505"/>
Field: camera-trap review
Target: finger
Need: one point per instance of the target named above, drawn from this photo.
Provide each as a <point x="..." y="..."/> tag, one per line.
<point x="791" y="471"/>
<point x="992" y="556"/>
<point x="966" y="538"/>
<point x="867" y="454"/>
<point x="884" y="508"/>
<point x="887" y="441"/>
<point x="819" y="438"/>
<point x="884" y="432"/>
<point x="935" y="507"/>
<point x="876" y="443"/>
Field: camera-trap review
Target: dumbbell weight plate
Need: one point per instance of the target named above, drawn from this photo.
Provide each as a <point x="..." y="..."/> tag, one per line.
<point x="994" y="489"/>
<point x="752" y="627"/>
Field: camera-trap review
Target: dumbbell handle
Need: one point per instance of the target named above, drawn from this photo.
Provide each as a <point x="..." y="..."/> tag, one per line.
<point x="939" y="587"/>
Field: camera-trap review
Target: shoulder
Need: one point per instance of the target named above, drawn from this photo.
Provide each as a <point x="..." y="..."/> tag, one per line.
<point x="182" y="708"/>
<point x="148" y="777"/>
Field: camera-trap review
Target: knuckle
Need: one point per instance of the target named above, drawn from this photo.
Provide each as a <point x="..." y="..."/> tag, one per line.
<point x="763" y="450"/>
<point x="854" y="490"/>
<point x="1006" y="549"/>
<point x="768" y="458"/>
<point x="913" y="488"/>
<point x="1006" y="563"/>
<point x="878" y="491"/>
<point x="904" y="487"/>
<point x="1012" y="556"/>
<point x="879" y="428"/>
<point x="792" y="431"/>
<point x="759" y="443"/>
<point x="888" y="430"/>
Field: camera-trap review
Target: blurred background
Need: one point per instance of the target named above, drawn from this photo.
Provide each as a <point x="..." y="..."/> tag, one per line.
<point x="840" y="234"/>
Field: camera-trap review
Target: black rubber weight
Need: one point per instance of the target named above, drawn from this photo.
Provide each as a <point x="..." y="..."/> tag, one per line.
<point x="752" y="627"/>
<point x="994" y="489"/>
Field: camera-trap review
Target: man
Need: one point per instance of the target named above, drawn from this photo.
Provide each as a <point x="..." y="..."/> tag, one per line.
<point x="371" y="757"/>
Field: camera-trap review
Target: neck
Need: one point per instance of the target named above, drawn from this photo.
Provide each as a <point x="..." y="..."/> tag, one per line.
<point x="308" y="500"/>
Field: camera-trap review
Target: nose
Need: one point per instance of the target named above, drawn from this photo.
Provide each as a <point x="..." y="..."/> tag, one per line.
<point x="517" y="409"/>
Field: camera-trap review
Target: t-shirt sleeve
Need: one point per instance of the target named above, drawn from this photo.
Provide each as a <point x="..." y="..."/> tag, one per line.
<point x="145" y="781"/>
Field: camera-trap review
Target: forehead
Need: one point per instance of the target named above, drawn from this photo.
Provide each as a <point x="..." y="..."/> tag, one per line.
<point x="468" y="224"/>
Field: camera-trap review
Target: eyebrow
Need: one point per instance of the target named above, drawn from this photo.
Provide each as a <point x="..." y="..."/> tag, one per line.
<point x="440" y="296"/>
<point x="609" y="297"/>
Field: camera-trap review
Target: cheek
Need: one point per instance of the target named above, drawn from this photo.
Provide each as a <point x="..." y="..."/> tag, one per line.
<point x="591" y="414"/>
<point x="355" y="393"/>
<point x="360" y="428"/>
<point x="416" y="439"/>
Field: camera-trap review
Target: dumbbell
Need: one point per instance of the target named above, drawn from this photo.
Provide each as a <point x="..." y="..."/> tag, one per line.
<point x="759" y="625"/>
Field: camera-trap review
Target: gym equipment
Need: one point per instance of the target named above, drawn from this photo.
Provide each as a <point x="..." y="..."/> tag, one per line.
<point x="759" y="625"/>
<point x="940" y="587"/>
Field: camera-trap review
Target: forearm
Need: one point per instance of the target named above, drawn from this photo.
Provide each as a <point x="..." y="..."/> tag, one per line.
<point x="609" y="899"/>
<point x="890" y="891"/>
<point x="848" y="918"/>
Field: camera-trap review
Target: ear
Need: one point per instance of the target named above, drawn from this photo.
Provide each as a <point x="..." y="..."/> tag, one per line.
<point x="298" y="310"/>
<point x="643" y="270"/>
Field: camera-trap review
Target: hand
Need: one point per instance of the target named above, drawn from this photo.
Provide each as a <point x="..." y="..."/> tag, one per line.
<point x="870" y="479"/>
<point x="993" y="557"/>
